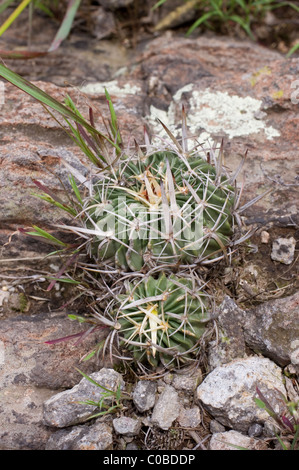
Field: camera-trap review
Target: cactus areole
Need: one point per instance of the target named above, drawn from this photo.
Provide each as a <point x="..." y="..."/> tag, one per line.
<point x="167" y="209"/>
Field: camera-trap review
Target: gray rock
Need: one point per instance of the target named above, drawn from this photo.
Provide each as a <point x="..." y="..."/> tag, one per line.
<point x="272" y="329"/>
<point x="31" y="371"/>
<point x="189" y="417"/>
<point x="166" y="409"/>
<point x="255" y="430"/>
<point x="215" y="426"/>
<point x="187" y="381"/>
<point x="115" y="4"/>
<point x="283" y="250"/>
<point x="231" y="343"/>
<point x="228" y="391"/>
<point x="64" y="409"/>
<point x="21" y="417"/>
<point x="95" y="437"/>
<point x="103" y="23"/>
<point x="30" y="360"/>
<point x="144" y="395"/>
<point x="127" y="426"/>
<point x="233" y="440"/>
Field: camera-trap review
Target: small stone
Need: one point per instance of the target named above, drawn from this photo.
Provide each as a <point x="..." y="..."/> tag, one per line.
<point x="265" y="236"/>
<point x="255" y="430"/>
<point x="167" y="408"/>
<point x="233" y="440"/>
<point x="127" y="426"/>
<point x="187" y="382"/>
<point x="95" y="437"/>
<point x="215" y="426"/>
<point x="228" y="391"/>
<point x="144" y="395"/>
<point x="66" y="408"/>
<point x="283" y="250"/>
<point x="189" y="417"/>
<point x="132" y="446"/>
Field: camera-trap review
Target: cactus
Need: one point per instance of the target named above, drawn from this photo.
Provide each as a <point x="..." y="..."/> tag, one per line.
<point x="148" y="214"/>
<point x="165" y="209"/>
<point x="162" y="319"/>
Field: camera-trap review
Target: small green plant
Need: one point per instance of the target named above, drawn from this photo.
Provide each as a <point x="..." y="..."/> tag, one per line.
<point x="115" y="397"/>
<point x="241" y="12"/>
<point x="288" y="420"/>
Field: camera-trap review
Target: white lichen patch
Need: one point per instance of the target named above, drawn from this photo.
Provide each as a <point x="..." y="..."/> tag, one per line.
<point x="213" y="113"/>
<point x="112" y="87"/>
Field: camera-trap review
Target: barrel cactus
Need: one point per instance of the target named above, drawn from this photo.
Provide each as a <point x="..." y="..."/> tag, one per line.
<point x="168" y="209"/>
<point x="162" y="320"/>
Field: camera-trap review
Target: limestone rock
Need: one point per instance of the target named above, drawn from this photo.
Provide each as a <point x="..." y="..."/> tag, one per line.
<point x="228" y="391"/>
<point x="64" y="409"/>
<point x="166" y="409"/>
<point x="127" y="426"/>
<point x="144" y="395"/>
<point x="98" y="436"/>
<point x="28" y="360"/>
<point x="231" y="343"/>
<point x="233" y="440"/>
<point x="189" y="417"/>
<point x="283" y="250"/>
<point x="272" y="329"/>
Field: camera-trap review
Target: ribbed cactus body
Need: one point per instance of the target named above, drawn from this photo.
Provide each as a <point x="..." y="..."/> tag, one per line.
<point x="162" y="320"/>
<point x="166" y="209"/>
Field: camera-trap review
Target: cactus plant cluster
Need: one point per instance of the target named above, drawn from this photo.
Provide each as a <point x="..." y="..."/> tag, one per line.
<point x="152" y="217"/>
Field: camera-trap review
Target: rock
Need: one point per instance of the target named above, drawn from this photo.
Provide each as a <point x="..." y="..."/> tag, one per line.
<point x="190" y="417"/>
<point x="283" y="250"/>
<point x="233" y="440"/>
<point x="255" y="430"/>
<point x="31" y="371"/>
<point x="115" y="4"/>
<point x="187" y="381"/>
<point x="228" y="391"/>
<point x="272" y="329"/>
<point x="215" y="426"/>
<point x="230" y="343"/>
<point x="144" y="395"/>
<point x="21" y="417"/>
<point x="30" y="361"/>
<point x="64" y="409"/>
<point x="127" y="426"/>
<point x="103" y="23"/>
<point x="166" y="409"/>
<point x="98" y="436"/>
<point x="223" y="84"/>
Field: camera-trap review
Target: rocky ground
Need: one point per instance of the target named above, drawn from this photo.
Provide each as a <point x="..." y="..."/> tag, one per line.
<point x="233" y="89"/>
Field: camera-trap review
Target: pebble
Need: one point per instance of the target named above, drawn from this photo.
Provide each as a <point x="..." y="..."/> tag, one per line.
<point x="126" y="426"/>
<point x="166" y="409"/>
<point x="283" y="250"/>
<point x="144" y="395"/>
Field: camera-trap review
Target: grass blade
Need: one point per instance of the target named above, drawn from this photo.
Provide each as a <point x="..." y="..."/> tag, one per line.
<point x="66" y="24"/>
<point x="14" y="16"/>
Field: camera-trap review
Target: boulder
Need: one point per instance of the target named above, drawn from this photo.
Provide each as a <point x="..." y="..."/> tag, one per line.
<point x="272" y="329"/>
<point x="228" y="392"/>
